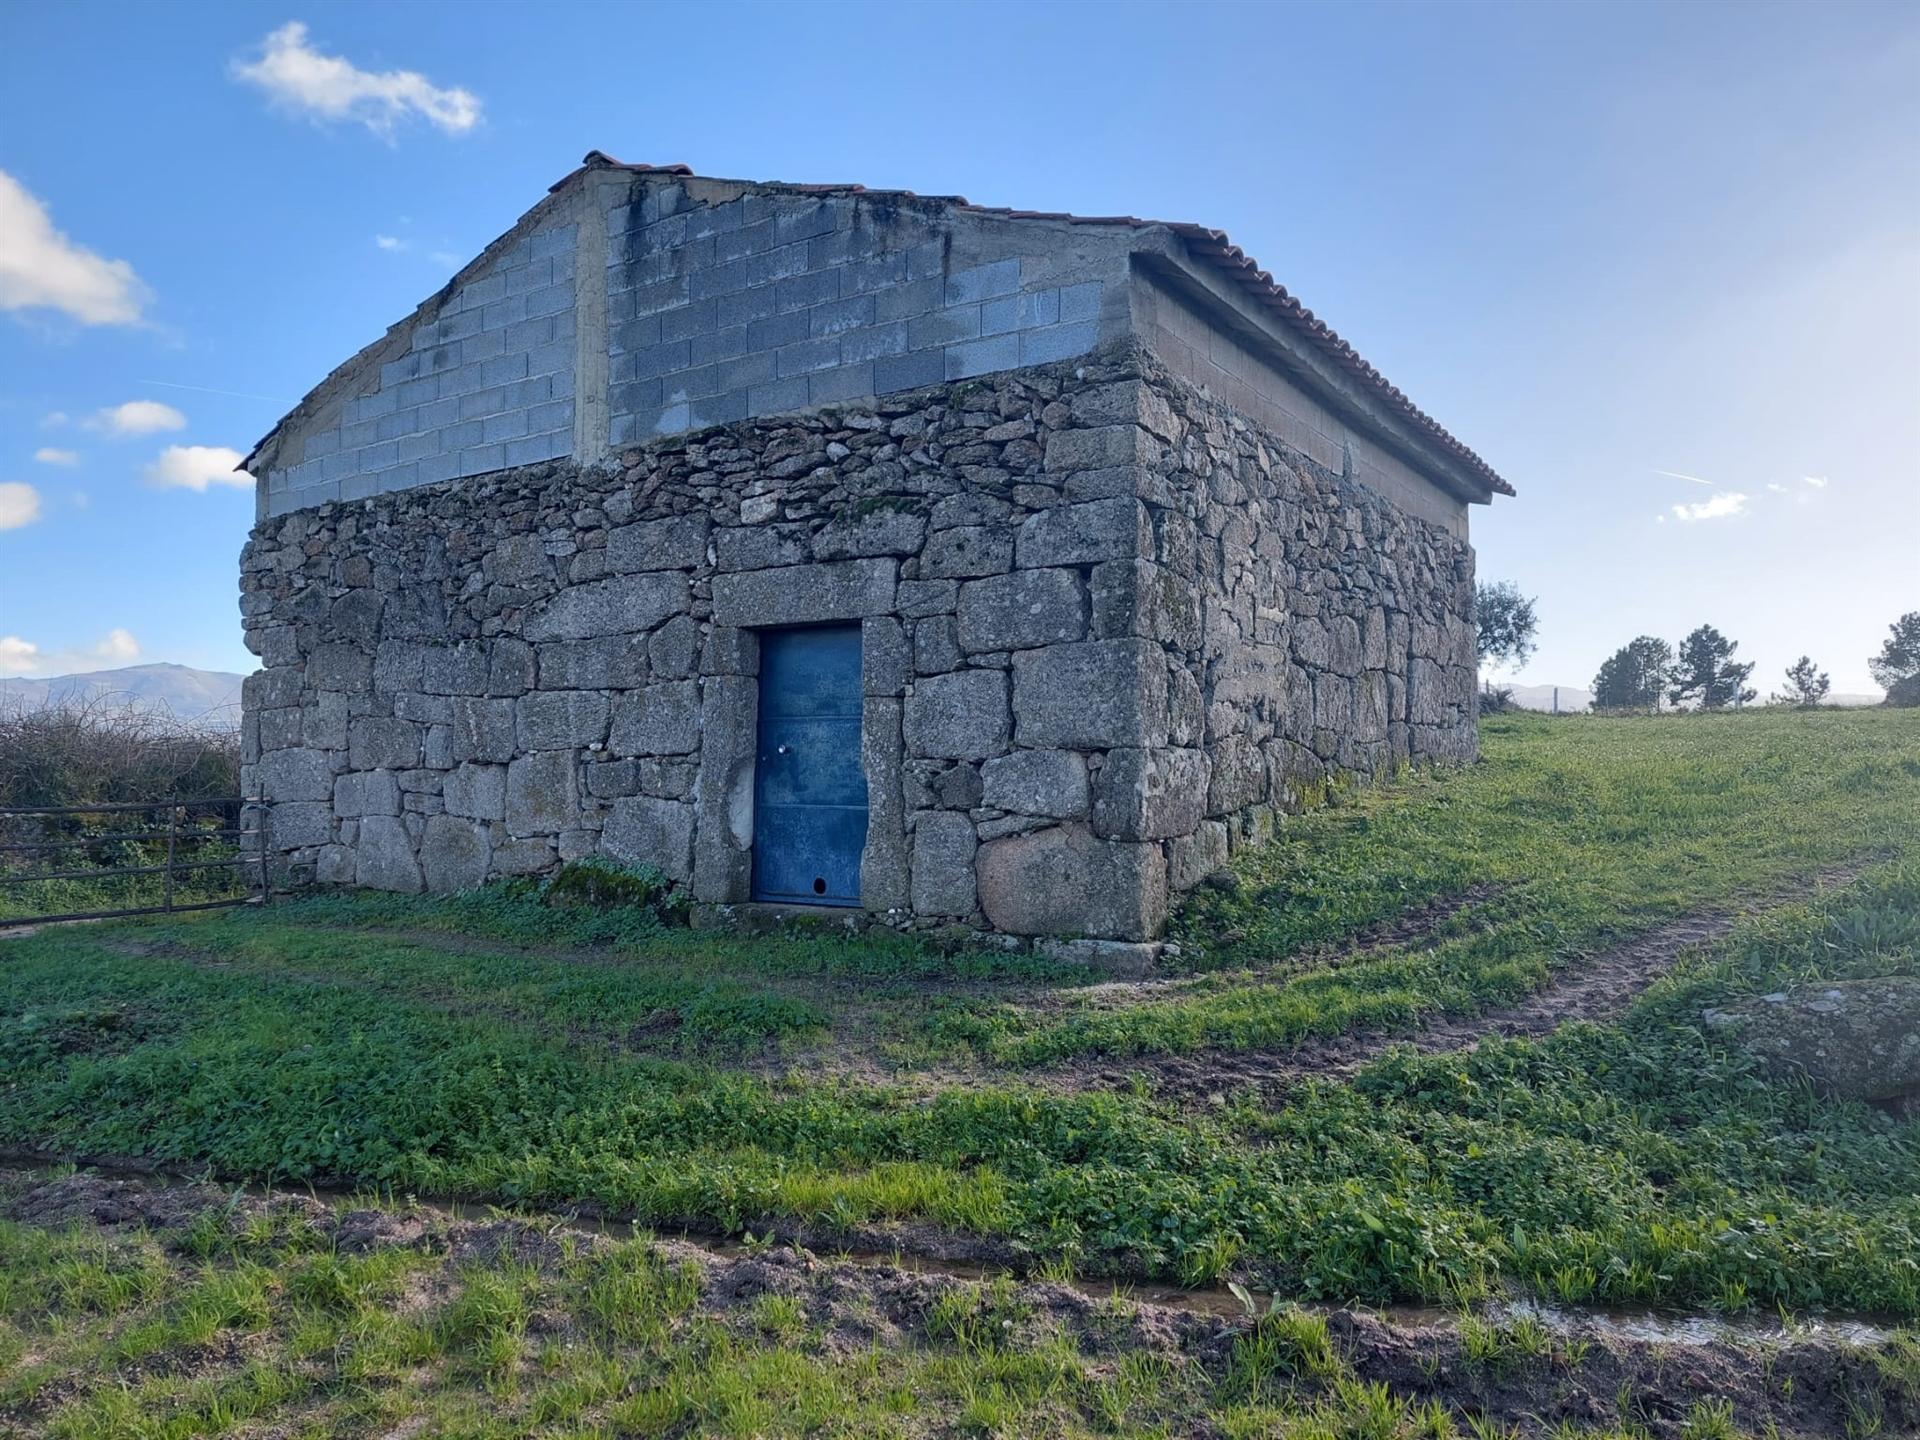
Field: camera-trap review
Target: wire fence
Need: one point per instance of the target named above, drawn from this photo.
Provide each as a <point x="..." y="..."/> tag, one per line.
<point x="159" y="857"/>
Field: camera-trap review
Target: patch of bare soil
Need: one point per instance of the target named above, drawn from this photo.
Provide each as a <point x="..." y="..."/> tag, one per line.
<point x="1597" y="988"/>
<point x="1596" y="1376"/>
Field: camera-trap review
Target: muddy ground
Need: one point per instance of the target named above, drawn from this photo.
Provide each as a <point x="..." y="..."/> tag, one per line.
<point x="1794" y="1386"/>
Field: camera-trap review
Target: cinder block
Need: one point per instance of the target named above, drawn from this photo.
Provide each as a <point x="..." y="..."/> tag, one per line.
<point x="813" y="287"/>
<point x="502" y="313"/>
<point x="461" y="436"/>
<point x="981" y="357"/>
<point x="893" y="373"/>
<point x="689" y="320"/>
<point x="720" y="278"/>
<point x="337" y="466"/>
<point x="778" y="397"/>
<point x="483" y="346"/>
<point x="872" y="342"/>
<point x="1026" y="311"/>
<point x="927" y="261"/>
<point x="943" y="327"/>
<point x="803" y="220"/>
<point x="361" y="432"/>
<point x="503" y="368"/>
<point x="983" y="282"/>
<point x="379" y="455"/>
<point x="482" y="403"/>
<point x="743" y="307"/>
<point x="660" y="234"/>
<point x="809" y="355"/>
<point x="456" y="326"/>
<point x="634" y="396"/>
<point x="555" y="415"/>
<point x="1080" y="302"/>
<point x="778" y="264"/>
<point x="715" y="345"/>
<point x="634" y="335"/>
<point x="419" y="446"/>
<point x="322" y="443"/>
<point x="477" y="294"/>
<point x="903" y="302"/>
<point x="550" y="358"/>
<point x="479" y="459"/>
<point x="665" y="295"/>
<point x="672" y="420"/>
<point x="534" y="391"/>
<point x="418" y="392"/>
<point x="532" y="449"/>
<point x="436" y="413"/>
<point x="359" y="486"/>
<point x="863" y="273"/>
<point x="397" y="477"/>
<point x="366" y="407"/>
<point x="1057" y="342"/>
<point x="551" y="300"/>
<point x="562" y="384"/>
<point x="501" y="428"/>
<point x="751" y="238"/>
<point x="722" y="409"/>
<point x="836" y="247"/>
<point x="756" y="368"/>
<point x="845" y="382"/>
<point x="777" y="330"/>
<point x="443" y="465"/>
<point x="557" y="241"/>
<point x="524" y="279"/>
<point x="691" y="383"/>
<point x="708" y="220"/>
<point x="661" y="201"/>
<point x="400" y="422"/>
<point x="835" y="316"/>
<point x="657" y="359"/>
<point x="538" y="330"/>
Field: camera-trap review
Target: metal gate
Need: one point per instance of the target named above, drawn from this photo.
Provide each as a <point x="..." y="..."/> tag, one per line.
<point x="174" y="843"/>
<point x="810" y="790"/>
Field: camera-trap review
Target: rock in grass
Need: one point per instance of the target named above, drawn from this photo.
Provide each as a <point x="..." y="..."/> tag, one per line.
<point x="1854" y="1039"/>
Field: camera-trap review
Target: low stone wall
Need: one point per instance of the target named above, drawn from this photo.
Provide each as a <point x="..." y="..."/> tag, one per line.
<point x="1107" y="627"/>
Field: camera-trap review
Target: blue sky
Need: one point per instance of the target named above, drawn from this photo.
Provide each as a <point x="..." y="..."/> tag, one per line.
<point x="1598" y="243"/>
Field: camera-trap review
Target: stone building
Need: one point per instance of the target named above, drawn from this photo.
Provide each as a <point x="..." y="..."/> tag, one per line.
<point x="859" y="548"/>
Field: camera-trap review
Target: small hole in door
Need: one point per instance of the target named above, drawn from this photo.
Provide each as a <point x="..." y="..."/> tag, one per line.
<point x="819" y="886"/>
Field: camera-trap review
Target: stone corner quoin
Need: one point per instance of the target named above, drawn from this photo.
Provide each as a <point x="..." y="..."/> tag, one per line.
<point x="1126" y="585"/>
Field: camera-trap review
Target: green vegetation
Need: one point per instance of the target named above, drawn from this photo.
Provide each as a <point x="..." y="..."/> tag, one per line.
<point x="503" y="1047"/>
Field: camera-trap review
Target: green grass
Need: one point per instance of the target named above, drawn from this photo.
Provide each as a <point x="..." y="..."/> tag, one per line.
<point x="1627" y="1162"/>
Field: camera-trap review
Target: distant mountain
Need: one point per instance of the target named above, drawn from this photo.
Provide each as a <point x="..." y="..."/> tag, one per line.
<point x="207" y="696"/>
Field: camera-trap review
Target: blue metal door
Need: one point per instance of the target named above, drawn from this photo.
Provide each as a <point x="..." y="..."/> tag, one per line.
<point x="810" y="794"/>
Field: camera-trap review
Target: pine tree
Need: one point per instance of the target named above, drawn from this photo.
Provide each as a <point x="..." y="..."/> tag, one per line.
<point x="1706" y="673"/>
<point x="1634" y="676"/>
<point x="1897" y="666"/>
<point x="1807" y="684"/>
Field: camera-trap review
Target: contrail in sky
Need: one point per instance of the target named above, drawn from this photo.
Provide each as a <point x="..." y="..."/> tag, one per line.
<point x="204" y="390"/>
<point x="1678" y="476"/>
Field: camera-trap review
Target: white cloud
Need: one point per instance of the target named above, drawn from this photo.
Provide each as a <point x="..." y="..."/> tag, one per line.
<point x="48" y="455"/>
<point x="389" y="242"/>
<point x="1818" y="482"/>
<point x="19" y="504"/>
<point x="1676" y="475"/>
<point x="449" y="258"/>
<point x="137" y="417"/>
<point x="326" y="87"/>
<point x="1776" y="487"/>
<point x="54" y="419"/>
<point x="195" y="467"/>
<point x="23" y="657"/>
<point x="1727" y="502"/>
<point x="42" y="269"/>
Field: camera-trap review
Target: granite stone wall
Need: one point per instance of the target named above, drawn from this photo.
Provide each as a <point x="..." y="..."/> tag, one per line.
<point x="1108" y="628"/>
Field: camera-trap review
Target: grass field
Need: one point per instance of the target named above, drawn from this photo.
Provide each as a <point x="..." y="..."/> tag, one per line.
<point x="884" y="1091"/>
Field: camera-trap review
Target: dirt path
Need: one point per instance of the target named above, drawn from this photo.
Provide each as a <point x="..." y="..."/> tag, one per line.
<point x="1594" y="989"/>
<point x="1810" y="1383"/>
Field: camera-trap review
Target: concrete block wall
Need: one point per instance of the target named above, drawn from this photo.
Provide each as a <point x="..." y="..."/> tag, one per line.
<point x="1199" y="350"/>
<point x="485" y="384"/>
<point x="769" y="303"/>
